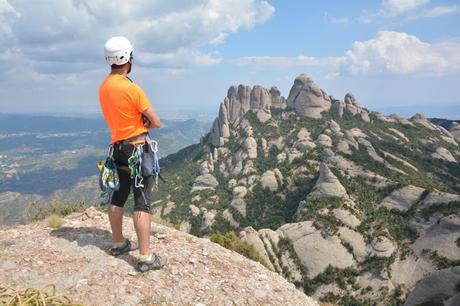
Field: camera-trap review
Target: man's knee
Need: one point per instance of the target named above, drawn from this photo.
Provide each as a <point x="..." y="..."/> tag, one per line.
<point x="142" y="208"/>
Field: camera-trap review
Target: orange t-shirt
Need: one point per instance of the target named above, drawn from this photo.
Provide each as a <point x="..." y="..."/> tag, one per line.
<point x="122" y="104"/>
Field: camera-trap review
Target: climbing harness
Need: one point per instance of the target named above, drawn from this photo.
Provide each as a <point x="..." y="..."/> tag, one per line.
<point x="142" y="162"/>
<point x="108" y="177"/>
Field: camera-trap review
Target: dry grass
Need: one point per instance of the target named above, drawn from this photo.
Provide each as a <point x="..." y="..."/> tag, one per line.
<point x="54" y="221"/>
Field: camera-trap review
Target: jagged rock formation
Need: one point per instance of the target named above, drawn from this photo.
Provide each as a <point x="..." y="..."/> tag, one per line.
<point x="239" y="100"/>
<point x="75" y="258"/>
<point x="336" y="198"/>
<point x="327" y="185"/>
<point x="307" y="98"/>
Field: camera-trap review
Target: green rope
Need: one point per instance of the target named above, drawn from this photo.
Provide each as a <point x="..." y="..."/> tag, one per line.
<point x="48" y="295"/>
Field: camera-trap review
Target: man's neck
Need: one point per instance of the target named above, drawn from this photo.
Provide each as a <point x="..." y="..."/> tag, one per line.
<point x="122" y="72"/>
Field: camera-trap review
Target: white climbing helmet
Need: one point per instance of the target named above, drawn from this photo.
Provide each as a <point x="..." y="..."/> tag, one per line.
<point x="118" y="50"/>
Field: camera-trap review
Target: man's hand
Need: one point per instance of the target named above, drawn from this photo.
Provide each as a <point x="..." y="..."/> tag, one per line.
<point x="150" y="118"/>
<point x="145" y="121"/>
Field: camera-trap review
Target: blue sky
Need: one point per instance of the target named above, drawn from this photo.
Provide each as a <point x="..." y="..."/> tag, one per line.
<point x="393" y="55"/>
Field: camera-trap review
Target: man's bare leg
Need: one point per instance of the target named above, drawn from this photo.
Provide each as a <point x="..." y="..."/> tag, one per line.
<point x="142" y="227"/>
<point x="116" y="223"/>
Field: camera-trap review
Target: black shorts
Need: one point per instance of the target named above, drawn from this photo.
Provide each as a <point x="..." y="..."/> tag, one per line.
<point x="121" y="153"/>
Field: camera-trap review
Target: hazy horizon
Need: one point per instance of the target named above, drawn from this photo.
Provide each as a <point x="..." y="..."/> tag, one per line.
<point x="451" y="112"/>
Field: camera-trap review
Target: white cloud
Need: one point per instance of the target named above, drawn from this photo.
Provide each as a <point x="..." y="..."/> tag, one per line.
<point x="67" y="36"/>
<point x="398" y="53"/>
<point x="387" y="53"/>
<point x="397" y="7"/>
<point x="339" y="20"/>
<point x="7" y="15"/>
<point x="409" y="9"/>
<point x="283" y="61"/>
<point x="182" y="58"/>
<point x="440" y="10"/>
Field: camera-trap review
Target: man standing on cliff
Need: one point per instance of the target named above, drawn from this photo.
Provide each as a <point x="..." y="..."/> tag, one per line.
<point x="129" y="116"/>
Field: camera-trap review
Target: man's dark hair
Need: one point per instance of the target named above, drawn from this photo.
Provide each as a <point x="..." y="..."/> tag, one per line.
<point x="118" y="66"/>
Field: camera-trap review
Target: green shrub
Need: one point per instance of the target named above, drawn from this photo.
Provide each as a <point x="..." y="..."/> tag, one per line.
<point x="442" y="262"/>
<point x="54" y="221"/>
<point x="444" y="208"/>
<point x="41" y="211"/>
<point x="375" y="263"/>
<point x="341" y="277"/>
<point x="232" y="242"/>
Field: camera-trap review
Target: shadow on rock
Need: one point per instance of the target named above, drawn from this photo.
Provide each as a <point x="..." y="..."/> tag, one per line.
<point x="87" y="236"/>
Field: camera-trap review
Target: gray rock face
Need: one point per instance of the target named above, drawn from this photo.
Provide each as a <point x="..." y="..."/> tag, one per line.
<point x="207" y="218"/>
<point x="440" y="237"/>
<point x="278" y="101"/>
<point x="194" y="210"/>
<point x="356" y="241"/>
<point x="315" y="251"/>
<point x="338" y="106"/>
<point x="444" y="154"/>
<point x="205" y="181"/>
<point x="307" y="98"/>
<point x="251" y="236"/>
<point x="328" y="185"/>
<point x="227" y="215"/>
<point x="251" y="146"/>
<point x="436" y="196"/>
<point x="346" y="217"/>
<point x="421" y="119"/>
<point x="455" y="131"/>
<point x="324" y="140"/>
<point x="436" y="289"/>
<point x="400" y="119"/>
<point x="239" y="205"/>
<point x="403" y="198"/>
<point x="268" y="180"/>
<point x="303" y="142"/>
<point x="410" y="270"/>
<point x="344" y="147"/>
<point x="239" y="192"/>
<point x="383" y="246"/>
<point x="399" y="134"/>
<point x="240" y="99"/>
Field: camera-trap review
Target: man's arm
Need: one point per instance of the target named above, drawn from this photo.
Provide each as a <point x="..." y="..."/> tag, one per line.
<point x="152" y="117"/>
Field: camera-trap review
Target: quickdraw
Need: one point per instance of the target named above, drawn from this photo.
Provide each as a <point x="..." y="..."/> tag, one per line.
<point x="135" y="166"/>
<point x="151" y="167"/>
<point x="108" y="177"/>
<point x="156" y="163"/>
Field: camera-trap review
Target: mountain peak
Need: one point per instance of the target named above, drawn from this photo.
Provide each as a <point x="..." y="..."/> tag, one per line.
<point x="307" y="98"/>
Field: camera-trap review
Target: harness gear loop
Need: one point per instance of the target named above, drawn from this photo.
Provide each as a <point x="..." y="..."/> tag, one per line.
<point x="110" y="153"/>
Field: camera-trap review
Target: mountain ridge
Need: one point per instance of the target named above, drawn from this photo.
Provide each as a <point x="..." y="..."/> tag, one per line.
<point x="309" y="177"/>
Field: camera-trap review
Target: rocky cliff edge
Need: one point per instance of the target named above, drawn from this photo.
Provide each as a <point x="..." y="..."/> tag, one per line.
<point x="75" y="258"/>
